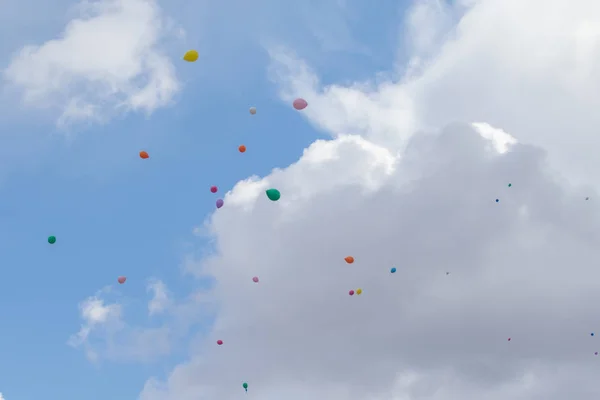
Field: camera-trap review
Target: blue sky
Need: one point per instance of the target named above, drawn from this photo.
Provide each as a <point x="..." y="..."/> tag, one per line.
<point x="115" y="214"/>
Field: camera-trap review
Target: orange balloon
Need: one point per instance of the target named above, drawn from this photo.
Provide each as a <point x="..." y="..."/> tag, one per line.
<point x="242" y="148"/>
<point x="144" y="155"/>
<point x="349" y="259"/>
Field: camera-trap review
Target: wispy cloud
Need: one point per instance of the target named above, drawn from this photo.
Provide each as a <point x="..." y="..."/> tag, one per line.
<point x="160" y="297"/>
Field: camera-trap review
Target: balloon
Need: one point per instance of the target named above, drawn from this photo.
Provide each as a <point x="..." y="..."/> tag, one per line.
<point x="213" y="189"/>
<point x="273" y="194"/>
<point x="121" y="279"/>
<point x="358" y="291"/>
<point x="144" y="154"/>
<point x="447" y="273"/>
<point x="245" y="386"/>
<point x="51" y="239"/>
<point x="255" y="279"/>
<point x="242" y="149"/>
<point x="190" y="56"/>
<point x="220" y="203"/>
<point x="252" y="110"/>
<point x="509" y="339"/>
<point x="587" y="198"/>
<point x="349" y="259"/>
<point x="351" y="292"/>
<point x="497" y="200"/>
<point x="510" y="184"/>
<point x="393" y="270"/>
<point x="219" y="342"/>
<point x="300" y="104"/>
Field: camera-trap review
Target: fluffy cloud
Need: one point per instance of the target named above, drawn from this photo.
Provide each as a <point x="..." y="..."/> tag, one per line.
<point x="401" y="185"/>
<point x="518" y="268"/>
<point x="105" y="62"/>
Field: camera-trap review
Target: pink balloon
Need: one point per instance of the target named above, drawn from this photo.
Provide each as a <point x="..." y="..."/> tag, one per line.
<point x="219" y="342"/>
<point x="122" y="280"/>
<point x="213" y="189"/>
<point x="255" y="279"/>
<point x="509" y="339"/>
<point x="300" y="104"/>
<point x="351" y="292"/>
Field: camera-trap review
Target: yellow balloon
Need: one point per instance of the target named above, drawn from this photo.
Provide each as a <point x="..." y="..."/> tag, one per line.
<point x="191" y="56"/>
<point x="358" y="291"/>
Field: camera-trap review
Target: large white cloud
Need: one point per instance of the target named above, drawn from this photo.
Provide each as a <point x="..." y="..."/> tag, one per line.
<point x="107" y="61"/>
<point x="392" y="189"/>
<point x="519" y="268"/>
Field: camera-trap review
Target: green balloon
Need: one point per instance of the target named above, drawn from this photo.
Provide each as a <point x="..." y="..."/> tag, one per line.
<point x="52" y="239"/>
<point x="273" y="194"/>
<point x="510" y="184"/>
<point x="245" y="385"/>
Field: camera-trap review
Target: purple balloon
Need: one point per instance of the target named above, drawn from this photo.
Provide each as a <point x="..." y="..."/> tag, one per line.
<point x="220" y="203"/>
<point x="300" y="104"/>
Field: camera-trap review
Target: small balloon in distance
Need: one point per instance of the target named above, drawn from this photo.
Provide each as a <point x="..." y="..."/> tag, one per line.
<point x="255" y="279"/>
<point x="393" y="270"/>
<point x="191" y="56"/>
<point x="219" y="203"/>
<point x="144" y="155"/>
<point x="219" y="342"/>
<point x="273" y="194"/>
<point x="242" y="149"/>
<point x="121" y="279"/>
<point x="300" y="104"/>
<point x="51" y="239"/>
<point x="351" y="292"/>
<point x="358" y="291"/>
<point x="252" y="110"/>
<point x="349" y="259"/>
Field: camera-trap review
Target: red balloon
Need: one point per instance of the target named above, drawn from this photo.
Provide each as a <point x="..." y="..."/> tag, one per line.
<point x="122" y="279"/>
<point x="219" y="342"/>
<point x="213" y="189"/>
<point x="300" y="104"/>
<point x="351" y="292"/>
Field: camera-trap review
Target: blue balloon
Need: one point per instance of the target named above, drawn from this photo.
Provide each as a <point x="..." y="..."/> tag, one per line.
<point x="497" y="200"/>
<point x="393" y="270"/>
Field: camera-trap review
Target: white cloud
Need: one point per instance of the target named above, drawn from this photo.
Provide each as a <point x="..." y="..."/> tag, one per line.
<point x="420" y="332"/>
<point x="402" y="185"/>
<point x="95" y="314"/>
<point x="107" y="61"/>
<point x="160" y="297"/>
<point x="105" y="335"/>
